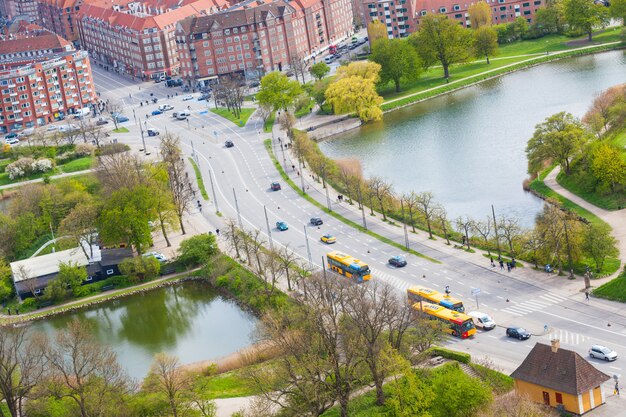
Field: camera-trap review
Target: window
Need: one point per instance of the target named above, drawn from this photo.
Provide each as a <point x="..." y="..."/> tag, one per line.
<point x="526" y="12"/>
<point x="456" y="7"/>
<point x="38" y="291"/>
<point x="89" y="279"/>
<point x="442" y="10"/>
<point x="110" y="271"/>
<point x="502" y="8"/>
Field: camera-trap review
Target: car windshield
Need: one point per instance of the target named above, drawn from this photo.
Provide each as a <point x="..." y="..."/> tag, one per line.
<point x="521" y="330"/>
<point x="605" y="350"/>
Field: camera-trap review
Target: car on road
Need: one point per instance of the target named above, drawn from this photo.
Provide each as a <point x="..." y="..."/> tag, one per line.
<point x="165" y="107"/>
<point x="153" y="132"/>
<point x="517" y="333"/>
<point x="51" y="128"/>
<point x="12" y="141"/>
<point x="156" y="112"/>
<point x="482" y="320"/>
<point x="11" y="135"/>
<point x="101" y="122"/>
<point x="328" y="238"/>
<point x="28" y="131"/>
<point x="316" y="221"/>
<point x="68" y="128"/>
<point x="229" y="144"/>
<point x="275" y="186"/>
<point x="329" y="59"/>
<point x="187" y="97"/>
<point x="602" y="352"/>
<point x="121" y="119"/>
<point x="397" y="261"/>
<point x="181" y="115"/>
<point x="254" y="83"/>
<point x="204" y="97"/>
<point x="282" y="226"/>
<point x="159" y="256"/>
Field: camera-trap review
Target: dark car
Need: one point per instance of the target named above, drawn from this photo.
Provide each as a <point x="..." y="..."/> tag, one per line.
<point x="11" y="135"/>
<point x="275" y="186"/>
<point x="153" y="132"/>
<point x="102" y="122"/>
<point x="254" y="83"/>
<point x="156" y="112"/>
<point x="229" y="144"/>
<point x="121" y="119"/>
<point x="204" y="97"/>
<point x="397" y="261"/>
<point x="518" y="333"/>
<point x="316" y="221"/>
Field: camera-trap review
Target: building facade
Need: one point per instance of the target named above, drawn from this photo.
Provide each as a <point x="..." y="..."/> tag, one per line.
<point x="14" y="8"/>
<point x="59" y="16"/>
<point x="254" y="38"/>
<point x="397" y="15"/>
<point x="43" y="82"/>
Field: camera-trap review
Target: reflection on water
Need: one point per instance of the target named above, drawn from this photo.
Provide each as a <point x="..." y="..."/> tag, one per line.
<point x="468" y="147"/>
<point x="188" y="320"/>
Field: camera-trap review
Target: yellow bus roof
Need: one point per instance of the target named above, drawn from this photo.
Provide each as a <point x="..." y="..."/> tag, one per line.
<point x="345" y="259"/>
<point x="442" y="312"/>
<point x="433" y="295"/>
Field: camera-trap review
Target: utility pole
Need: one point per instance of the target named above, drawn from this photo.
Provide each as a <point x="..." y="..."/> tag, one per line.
<point x="217" y="208"/>
<point x="237" y="208"/>
<point x="269" y="232"/>
<point x="362" y="207"/>
<point x="406" y="233"/>
<point x="308" y="249"/>
<point x="145" y="152"/>
<point x="302" y="177"/>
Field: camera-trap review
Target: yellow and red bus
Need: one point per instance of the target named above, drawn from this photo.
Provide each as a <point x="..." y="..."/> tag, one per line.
<point x="416" y="294"/>
<point x="460" y="325"/>
<point x="348" y="266"/>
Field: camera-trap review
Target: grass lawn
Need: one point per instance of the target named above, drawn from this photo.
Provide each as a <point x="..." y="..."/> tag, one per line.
<point x="80" y="164"/>
<point x="269" y="123"/>
<point x="243" y="117"/>
<point x="120" y="130"/>
<point x="305" y="110"/>
<point x="228" y="385"/>
<point x="606" y="201"/>
<point x="4" y="177"/>
<point x="199" y="179"/>
<point x="613" y="290"/>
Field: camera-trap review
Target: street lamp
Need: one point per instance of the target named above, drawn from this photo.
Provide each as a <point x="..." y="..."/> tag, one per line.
<point x="145" y="151"/>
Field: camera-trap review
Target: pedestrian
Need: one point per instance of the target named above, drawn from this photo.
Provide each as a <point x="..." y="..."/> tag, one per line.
<point x="492" y="264"/>
<point x="9" y="310"/>
<point x="508" y="266"/>
<point x="501" y="265"/>
<point x="447" y="290"/>
<point x="217" y="232"/>
<point x="298" y="172"/>
<point x="293" y="167"/>
<point x="616" y="388"/>
<point x="587" y="295"/>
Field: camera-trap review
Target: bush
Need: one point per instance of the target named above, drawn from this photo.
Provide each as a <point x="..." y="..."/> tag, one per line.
<point x="84" y="149"/>
<point x="112" y="148"/>
<point x="42" y="165"/>
<point x="140" y="267"/>
<point x="20" y="168"/>
<point x="197" y="250"/>
<point x="450" y="354"/>
<point x="121" y="281"/>
<point x="29" y="304"/>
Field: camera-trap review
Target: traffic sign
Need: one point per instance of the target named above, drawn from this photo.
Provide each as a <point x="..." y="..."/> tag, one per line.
<point x="475" y="291"/>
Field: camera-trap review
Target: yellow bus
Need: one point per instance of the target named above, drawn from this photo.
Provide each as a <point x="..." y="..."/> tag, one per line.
<point x="461" y="325"/>
<point x="416" y="294"/>
<point x="348" y="266"/>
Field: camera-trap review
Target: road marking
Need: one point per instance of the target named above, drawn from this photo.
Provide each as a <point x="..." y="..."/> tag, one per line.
<point x="615" y="367"/>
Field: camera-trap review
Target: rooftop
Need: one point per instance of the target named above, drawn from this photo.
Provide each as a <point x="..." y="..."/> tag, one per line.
<point x="49" y="264"/>
<point x="33" y="42"/>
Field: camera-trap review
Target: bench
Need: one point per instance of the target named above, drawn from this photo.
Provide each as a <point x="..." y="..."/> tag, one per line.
<point x="437" y="360"/>
<point x="107" y="287"/>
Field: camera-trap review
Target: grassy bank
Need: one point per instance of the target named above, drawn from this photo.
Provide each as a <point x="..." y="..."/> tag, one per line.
<point x="269" y="123"/>
<point x="614" y="290"/>
<point x="196" y="169"/>
<point x="239" y="121"/>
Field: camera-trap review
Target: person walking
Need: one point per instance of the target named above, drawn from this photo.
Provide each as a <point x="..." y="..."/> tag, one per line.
<point x="501" y="265"/>
<point x="616" y="388"/>
<point x="587" y="295"/>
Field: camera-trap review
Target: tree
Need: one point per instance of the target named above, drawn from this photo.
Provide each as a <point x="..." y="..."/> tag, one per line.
<point x="22" y="368"/>
<point x="411" y="203"/>
<point x="364" y="69"/>
<point x="318" y="90"/>
<point x="163" y="201"/>
<point x="559" y="138"/>
<point x="427" y="208"/>
<point x="140" y="267"/>
<point x="114" y="109"/>
<point x="7" y="290"/>
<point x="171" y="380"/>
<point x="463" y="226"/>
<point x="382" y="191"/>
<point x="599" y="244"/>
<point x="297" y="65"/>
<point x="533" y="243"/>
<point x="197" y="250"/>
<point x="84" y="371"/>
<point x="510" y="230"/>
<point x="442" y="216"/>
<point x="72" y="275"/>
<point x="449" y="380"/>
<point x="608" y="166"/>
<point x="548" y="19"/>
<point x="319" y="70"/>
<point x="442" y="40"/>
<point x="515" y="405"/>
<point x="618" y="10"/>
<point x="398" y="61"/>
<point x="584" y="16"/>
<point x="484" y="229"/>
<point x="288" y="261"/>
<point x="409" y="395"/>
<point x="180" y="186"/>
<point x="80" y="225"/>
<point x="355" y="94"/>
<point x="480" y="15"/>
<point x="376" y="30"/>
<point x="278" y="91"/>
<point x="485" y="41"/>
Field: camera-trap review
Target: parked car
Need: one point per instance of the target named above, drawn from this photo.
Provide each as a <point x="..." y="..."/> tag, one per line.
<point x="156" y="112"/>
<point x="275" y="186"/>
<point x="204" y="97"/>
<point x="482" y="320"/>
<point x="187" y="97"/>
<point x="153" y="132"/>
<point x="101" y="122"/>
<point x="51" y="128"/>
<point x="602" y="352"/>
<point x="121" y="119"/>
<point x="397" y="261"/>
<point x="11" y="135"/>
<point x="159" y="256"/>
<point x="328" y="238"/>
<point x="165" y="107"/>
<point x="182" y="115"/>
<point x="68" y="128"/>
<point x="12" y="141"/>
<point x="282" y="226"/>
<point x="254" y="83"/>
<point x="316" y="221"/>
<point x="329" y="59"/>
<point x="28" y="131"/>
<point x="229" y="144"/>
<point x="517" y="333"/>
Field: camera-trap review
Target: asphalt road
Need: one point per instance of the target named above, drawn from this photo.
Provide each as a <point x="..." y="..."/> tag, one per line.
<point x="246" y="171"/>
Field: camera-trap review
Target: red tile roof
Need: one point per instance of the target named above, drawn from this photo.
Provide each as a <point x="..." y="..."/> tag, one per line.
<point x="35" y="43"/>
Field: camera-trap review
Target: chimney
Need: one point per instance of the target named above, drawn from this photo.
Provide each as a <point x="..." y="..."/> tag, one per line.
<point x="556" y="344"/>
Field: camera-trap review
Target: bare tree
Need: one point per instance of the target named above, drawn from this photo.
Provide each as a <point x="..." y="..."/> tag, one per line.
<point x="442" y="217"/>
<point x="287" y="122"/>
<point x="427" y="208"/>
<point x="410" y="202"/>
<point x="119" y="170"/>
<point x="484" y="229"/>
<point x="80" y="224"/>
<point x="464" y="225"/>
<point x="84" y="371"/>
<point x="297" y="65"/>
<point x="533" y="243"/>
<point x="232" y="92"/>
<point x="22" y="368"/>
<point x="350" y="177"/>
<point x="40" y="137"/>
<point x="114" y="109"/>
<point x="288" y="261"/>
<point x="233" y="236"/>
<point x="71" y="133"/>
<point x="265" y="111"/>
<point x="97" y="135"/>
<point x="171" y="381"/>
<point x="509" y="228"/>
<point x="381" y="190"/>
<point x="182" y="192"/>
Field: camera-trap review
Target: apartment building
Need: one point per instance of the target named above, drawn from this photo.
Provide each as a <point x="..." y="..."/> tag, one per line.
<point x="59" y="16"/>
<point x="138" y="38"/>
<point x="14" y="8"/>
<point x="42" y="79"/>
<point x="397" y="15"/>
<point x="256" y="37"/>
<point x="502" y="11"/>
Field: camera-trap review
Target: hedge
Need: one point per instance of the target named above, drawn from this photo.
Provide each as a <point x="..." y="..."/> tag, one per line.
<point x="450" y="354"/>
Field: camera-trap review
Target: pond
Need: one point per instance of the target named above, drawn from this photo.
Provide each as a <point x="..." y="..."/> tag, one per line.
<point x="189" y="320"/>
<point x="468" y="147"/>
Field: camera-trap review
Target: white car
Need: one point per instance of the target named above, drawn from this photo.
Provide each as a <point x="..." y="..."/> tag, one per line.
<point x="68" y="128"/>
<point x="602" y="352"/>
<point x="12" y="141"/>
<point x="28" y="131"/>
<point x="165" y="107"/>
<point x="51" y="128"/>
<point x="159" y="256"/>
<point x="482" y="320"/>
<point x="187" y="97"/>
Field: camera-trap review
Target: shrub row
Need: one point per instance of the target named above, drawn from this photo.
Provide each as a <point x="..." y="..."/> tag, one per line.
<point x="450" y="354"/>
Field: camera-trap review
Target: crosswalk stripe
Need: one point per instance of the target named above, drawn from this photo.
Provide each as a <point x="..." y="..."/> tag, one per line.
<point x="536" y="303"/>
<point x="518" y="309"/>
<point x="554" y="298"/>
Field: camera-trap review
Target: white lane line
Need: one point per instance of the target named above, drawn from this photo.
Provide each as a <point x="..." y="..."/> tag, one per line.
<point x="552" y="298"/>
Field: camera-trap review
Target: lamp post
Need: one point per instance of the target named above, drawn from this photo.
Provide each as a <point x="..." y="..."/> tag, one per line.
<point x="145" y="152"/>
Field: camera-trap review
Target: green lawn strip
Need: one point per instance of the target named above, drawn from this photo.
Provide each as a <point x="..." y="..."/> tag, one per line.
<point x="478" y="76"/>
<point x="269" y="123"/>
<point x="239" y="121"/>
<point x="230" y="384"/>
<point x="608" y="202"/>
<point x="120" y="130"/>
<point x="500" y="383"/>
<point x="199" y="179"/>
<point x="76" y="304"/>
<point x="305" y="110"/>
<point x="283" y="174"/>
<point x="80" y="164"/>
<point x="614" y="290"/>
<point x="5" y="180"/>
<point x="362" y="406"/>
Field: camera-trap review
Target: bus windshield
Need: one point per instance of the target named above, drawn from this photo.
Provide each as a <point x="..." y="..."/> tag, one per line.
<point x="467" y="325"/>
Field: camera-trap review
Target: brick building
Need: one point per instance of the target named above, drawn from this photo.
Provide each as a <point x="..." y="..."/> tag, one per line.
<point x="14" y="8"/>
<point x="397" y="15"/>
<point x="138" y="38"/>
<point x="256" y="37"/>
<point x="59" y="16"/>
<point x="43" y="82"/>
<point x="502" y="11"/>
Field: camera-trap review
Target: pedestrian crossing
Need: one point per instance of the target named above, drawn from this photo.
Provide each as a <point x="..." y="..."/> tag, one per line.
<point x="400" y="284"/>
<point x="565" y="337"/>
<point x="535" y="304"/>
